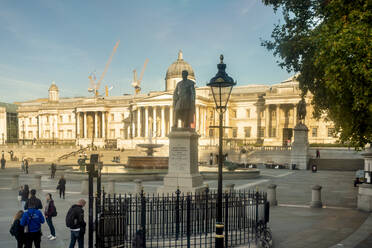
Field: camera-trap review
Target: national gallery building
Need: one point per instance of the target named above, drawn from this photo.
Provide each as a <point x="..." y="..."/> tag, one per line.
<point x="263" y="114"/>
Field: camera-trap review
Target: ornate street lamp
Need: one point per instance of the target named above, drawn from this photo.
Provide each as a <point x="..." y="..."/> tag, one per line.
<point x="221" y="86"/>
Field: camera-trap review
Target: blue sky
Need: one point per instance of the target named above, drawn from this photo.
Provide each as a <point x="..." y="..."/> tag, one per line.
<point x="63" y="41"/>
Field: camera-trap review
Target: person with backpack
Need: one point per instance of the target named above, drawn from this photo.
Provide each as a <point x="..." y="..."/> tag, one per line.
<point x="50" y="212"/>
<point x="17" y="230"/>
<point x="75" y="221"/>
<point x="32" y="220"/>
<point x="62" y="187"/>
<point x="25" y="194"/>
<point x="33" y="198"/>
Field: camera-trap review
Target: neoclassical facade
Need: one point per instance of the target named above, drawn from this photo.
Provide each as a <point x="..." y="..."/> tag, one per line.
<point x="264" y="114"/>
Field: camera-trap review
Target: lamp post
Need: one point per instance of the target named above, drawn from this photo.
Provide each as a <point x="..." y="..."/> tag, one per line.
<point x="221" y="86"/>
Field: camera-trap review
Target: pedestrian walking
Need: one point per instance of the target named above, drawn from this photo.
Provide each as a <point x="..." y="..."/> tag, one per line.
<point x="75" y="221"/>
<point x="32" y="220"/>
<point x="53" y="169"/>
<point x="17" y="230"/>
<point x="26" y="166"/>
<point x="19" y="197"/>
<point x="317" y="153"/>
<point x="62" y="186"/>
<point x="23" y="166"/>
<point x="34" y="199"/>
<point x="11" y="155"/>
<point x="50" y="212"/>
<point x="25" y="194"/>
<point x="211" y="159"/>
<point x="3" y="161"/>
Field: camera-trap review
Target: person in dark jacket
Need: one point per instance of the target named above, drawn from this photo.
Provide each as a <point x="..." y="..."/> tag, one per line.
<point x="53" y="169"/>
<point x="3" y="163"/>
<point x="75" y="221"/>
<point x="32" y="220"/>
<point x="62" y="187"/>
<point x="25" y="194"/>
<point x="26" y="166"/>
<point x="33" y="198"/>
<point x="49" y="214"/>
<point x="17" y="230"/>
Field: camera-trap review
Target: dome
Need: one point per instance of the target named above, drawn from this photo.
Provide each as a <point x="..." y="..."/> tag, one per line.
<point x="53" y="87"/>
<point x="175" y="69"/>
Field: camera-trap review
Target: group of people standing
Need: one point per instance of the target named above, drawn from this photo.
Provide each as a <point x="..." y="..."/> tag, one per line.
<point x="26" y="226"/>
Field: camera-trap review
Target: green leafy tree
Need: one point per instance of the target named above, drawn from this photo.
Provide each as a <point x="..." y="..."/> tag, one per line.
<point x="328" y="43"/>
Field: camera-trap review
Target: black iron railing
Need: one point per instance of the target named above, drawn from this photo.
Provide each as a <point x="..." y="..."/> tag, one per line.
<point x="180" y="220"/>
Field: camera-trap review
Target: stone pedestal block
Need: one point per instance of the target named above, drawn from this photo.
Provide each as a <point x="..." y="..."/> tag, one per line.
<point x="183" y="171"/>
<point x="271" y="195"/>
<point x="84" y="187"/>
<point x="37" y="182"/>
<point x="111" y="187"/>
<point x="139" y="186"/>
<point x="365" y="197"/>
<point x="300" y="145"/>
<point x="15" y="182"/>
<point x="316" y="198"/>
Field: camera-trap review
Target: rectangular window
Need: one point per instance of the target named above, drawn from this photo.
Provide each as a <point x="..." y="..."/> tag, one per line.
<point x="314" y="132"/>
<point x="112" y="133"/>
<point x="262" y="114"/>
<point x="235" y="132"/>
<point x="247" y="132"/>
<point x="47" y="134"/>
<point x="211" y="133"/>
<point x="261" y="132"/>
<point x="69" y="134"/>
<point x="233" y="114"/>
<point x="122" y="117"/>
<point x="61" y="118"/>
<point x="331" y="132"/>
<point x="248" y="113"/>
<point x="273" y="113"/>
<point x="30" y="136"/>
<point x="122" y="133"/>
<point x="60" y="134"/>
<point x="273" y="132"/>
<point x="69" y="118"/>
<point x="30" y="120"/>
<point x="112" y="117"/>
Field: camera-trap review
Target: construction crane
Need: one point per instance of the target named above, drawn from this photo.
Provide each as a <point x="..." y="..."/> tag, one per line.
<point x="107" y="89"/>
<point x="94" y="86"/>
<point x="137" y="83"/>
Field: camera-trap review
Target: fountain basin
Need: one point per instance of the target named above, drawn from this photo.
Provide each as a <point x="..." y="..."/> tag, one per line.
<point x="147" y="162"/>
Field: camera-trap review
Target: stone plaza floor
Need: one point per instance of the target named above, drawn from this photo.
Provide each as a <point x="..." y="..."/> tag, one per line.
<point x="292" y="222"/>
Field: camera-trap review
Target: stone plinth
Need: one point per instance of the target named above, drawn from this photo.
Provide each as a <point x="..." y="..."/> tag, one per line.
<point x="271" y="195"/>
<point x="147" y="162"/>
<point x="183" y="171"/>
<point x="316" y="197"/>
<point x="300" y="145"/>
<point x="365" y="197"/>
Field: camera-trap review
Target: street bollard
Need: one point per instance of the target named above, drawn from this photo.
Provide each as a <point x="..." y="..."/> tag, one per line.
<point x="111" y="186"/>
<point x="37" y="182"/>
<point x="84" y="186"/>
<point x="316" y="199"/>
<point x="15" y="182"/>
<point x="139" y="186"/>
<point x="271" y="195"/>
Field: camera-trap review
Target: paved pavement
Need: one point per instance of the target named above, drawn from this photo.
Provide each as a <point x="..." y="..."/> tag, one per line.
<point x="293" y="223"/>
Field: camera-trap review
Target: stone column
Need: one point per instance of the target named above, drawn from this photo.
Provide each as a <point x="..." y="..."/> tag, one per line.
<point x="15" y="182"/>
<point x="294" y="115"/>
<point x="84" y="186"/>
<point x="39" y="127"/>
<point x="146" y="121"/>
<point x="37" y="182"/>
<point x="154" y="128"/>
<point x="267" y="121"/>
<point x="197" y="119"/>
<point x="85" y="125"/>
<point x="139" y="122"/>
<point x="77" y="131"/>
<point x="111" y="186"/>
<point x="170" y="117"/>
<point x="277" y="120"/>
<point x="162" y="121"/>
<point x="96" y="124"/>
<point x="139" y="186"/>
<point x="316" y="199"/>
<point x="103" y="125"/>
<point x="271" y="195"/>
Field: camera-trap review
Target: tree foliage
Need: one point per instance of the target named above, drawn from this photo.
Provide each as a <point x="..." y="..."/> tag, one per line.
<point x="328" y="42"/>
